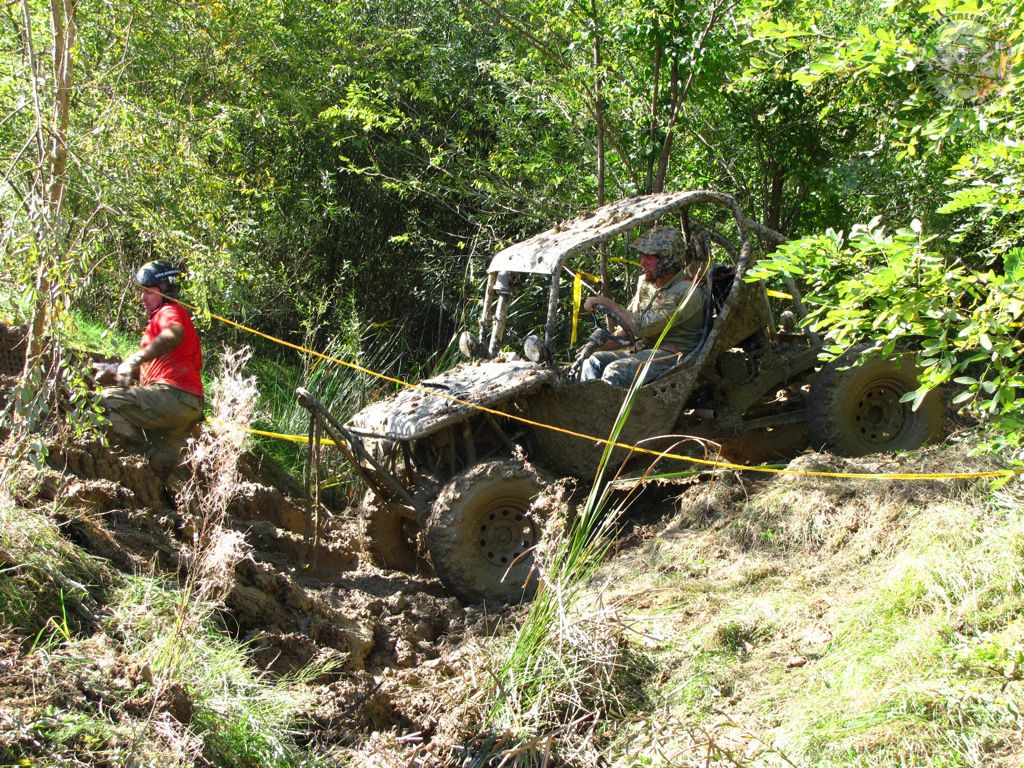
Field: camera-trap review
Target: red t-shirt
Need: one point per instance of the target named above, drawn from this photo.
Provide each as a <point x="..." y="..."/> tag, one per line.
<point x="180" y="367"/>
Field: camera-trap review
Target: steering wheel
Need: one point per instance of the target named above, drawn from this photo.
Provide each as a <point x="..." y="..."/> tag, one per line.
<point x="626" y="337"/>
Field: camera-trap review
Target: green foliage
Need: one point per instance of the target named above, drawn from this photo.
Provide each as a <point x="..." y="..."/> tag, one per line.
<point x="954" y="296"/>
<point x="893" y="290"/>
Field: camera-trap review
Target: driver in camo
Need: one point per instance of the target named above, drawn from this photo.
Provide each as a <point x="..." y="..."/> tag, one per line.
<point x="667" y="292"/>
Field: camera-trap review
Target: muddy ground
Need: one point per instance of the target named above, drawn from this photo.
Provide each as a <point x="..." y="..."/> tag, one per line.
<point x="299" y="596"/>
<point x="397" y="690"/>
<point x="400" y="649"/>
<point x="296" y="598"/>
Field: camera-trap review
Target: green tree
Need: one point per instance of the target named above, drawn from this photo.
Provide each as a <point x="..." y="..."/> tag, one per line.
<point x="957" y="68"/>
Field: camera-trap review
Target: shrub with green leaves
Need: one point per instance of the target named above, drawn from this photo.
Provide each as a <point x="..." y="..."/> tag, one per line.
<point x="896" y="290"/>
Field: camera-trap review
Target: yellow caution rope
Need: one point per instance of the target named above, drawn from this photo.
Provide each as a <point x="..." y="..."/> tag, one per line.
<point x="711" y="463"/>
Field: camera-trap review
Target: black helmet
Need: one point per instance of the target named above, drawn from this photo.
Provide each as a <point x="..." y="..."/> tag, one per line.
<point x="158" y="274"/>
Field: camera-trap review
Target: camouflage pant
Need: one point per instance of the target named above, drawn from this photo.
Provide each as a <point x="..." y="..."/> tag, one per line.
<point x="620" y="367"/>
<point x="156" y="417"/>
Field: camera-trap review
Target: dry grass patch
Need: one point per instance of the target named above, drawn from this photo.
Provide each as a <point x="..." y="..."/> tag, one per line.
<point x="841" y="622"/>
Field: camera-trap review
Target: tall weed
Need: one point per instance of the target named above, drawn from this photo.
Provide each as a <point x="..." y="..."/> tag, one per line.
<point x="570" y="667"/>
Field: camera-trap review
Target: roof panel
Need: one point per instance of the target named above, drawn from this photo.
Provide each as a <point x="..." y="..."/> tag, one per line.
<point x="546" y="252"/>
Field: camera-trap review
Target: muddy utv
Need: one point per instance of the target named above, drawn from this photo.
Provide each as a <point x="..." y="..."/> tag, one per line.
<point x="453" y="464"/>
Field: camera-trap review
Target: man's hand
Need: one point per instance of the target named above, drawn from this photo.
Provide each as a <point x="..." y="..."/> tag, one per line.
<point x="105" y="373"/>
<point x="129" y="370"/>
<point x="623" y="317"/>
<point x="597" y="338"/>
<point x="165" y="341"/>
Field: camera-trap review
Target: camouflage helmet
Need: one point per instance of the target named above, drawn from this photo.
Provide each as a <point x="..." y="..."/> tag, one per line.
<point x="663" y="242"/>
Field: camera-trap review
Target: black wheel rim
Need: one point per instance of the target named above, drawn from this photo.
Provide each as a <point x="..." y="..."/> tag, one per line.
<point x="879" y="416"/>
<point x="505" y="532"/>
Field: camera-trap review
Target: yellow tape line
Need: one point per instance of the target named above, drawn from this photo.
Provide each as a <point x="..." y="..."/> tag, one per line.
<point x="779" y="294"/>
<point x="289" y="438"/>
<point x="600" y="440"/>
<point x="577" y="300"/>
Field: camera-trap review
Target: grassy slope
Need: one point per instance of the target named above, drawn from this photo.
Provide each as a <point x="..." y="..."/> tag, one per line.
<point x="814" y="622"/>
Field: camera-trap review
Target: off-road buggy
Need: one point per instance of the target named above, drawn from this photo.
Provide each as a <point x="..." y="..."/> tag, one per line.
<point x="449" y="473"/>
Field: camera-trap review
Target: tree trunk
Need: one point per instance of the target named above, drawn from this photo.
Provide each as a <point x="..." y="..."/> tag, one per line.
<point x="774" y="212"/>
<point x="600" y="128"/>
<point x="652" y="130"/>
<point x="47" y="192"/>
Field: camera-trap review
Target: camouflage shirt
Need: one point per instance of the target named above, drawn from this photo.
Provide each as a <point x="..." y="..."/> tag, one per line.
<point x="653" y="307"/>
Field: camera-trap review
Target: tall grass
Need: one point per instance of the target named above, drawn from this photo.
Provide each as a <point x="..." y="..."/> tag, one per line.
<point x="343" y="391"/>
<point x="238" y="717"/>
<point x="890" y="637"/>
<point x="204" y="704"/>
<point x="570" y="667"/>
<point x="925" y="669"/>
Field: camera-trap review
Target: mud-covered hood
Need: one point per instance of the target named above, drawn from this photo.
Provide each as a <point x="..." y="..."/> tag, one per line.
<point x="415" y="413"/>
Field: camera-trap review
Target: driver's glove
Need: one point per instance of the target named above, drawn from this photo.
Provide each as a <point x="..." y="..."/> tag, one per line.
<point x="596" y="339"/>
<point x="127" y="370"/>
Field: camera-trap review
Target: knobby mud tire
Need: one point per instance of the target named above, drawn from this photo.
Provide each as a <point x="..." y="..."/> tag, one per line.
<point x="388" y="538"/>
<point x="482" y="534"/>
<point x="856" y="411"/>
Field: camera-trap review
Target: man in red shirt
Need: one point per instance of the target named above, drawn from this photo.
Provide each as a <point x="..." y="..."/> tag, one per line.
<point x="157" y="415"/>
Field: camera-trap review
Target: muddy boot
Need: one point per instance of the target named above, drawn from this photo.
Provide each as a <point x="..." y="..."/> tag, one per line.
<point x="166" y="465"/>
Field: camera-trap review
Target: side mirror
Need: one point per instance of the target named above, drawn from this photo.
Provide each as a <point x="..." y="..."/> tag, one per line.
<point x="469" y="345"/>
<point x="535" y="350"/>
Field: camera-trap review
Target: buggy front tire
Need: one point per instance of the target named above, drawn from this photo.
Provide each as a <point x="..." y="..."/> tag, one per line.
<point x="482" y="533"/>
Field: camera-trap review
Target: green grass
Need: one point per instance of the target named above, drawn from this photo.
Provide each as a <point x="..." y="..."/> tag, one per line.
<point x="89" y="335"/>
<point x="904" y="683"/>
<point x="880" y="628"/>
<point x="46" y="582"/>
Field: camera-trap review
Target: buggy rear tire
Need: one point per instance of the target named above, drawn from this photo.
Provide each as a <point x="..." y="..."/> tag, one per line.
<point x="855" y="411"/>
<point x="388" y="538"/>
<point x="482" y="533"/>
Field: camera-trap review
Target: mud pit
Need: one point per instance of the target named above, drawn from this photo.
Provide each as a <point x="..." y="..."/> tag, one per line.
<point x="297" y="597"/>
<point x="397" y="685"/>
